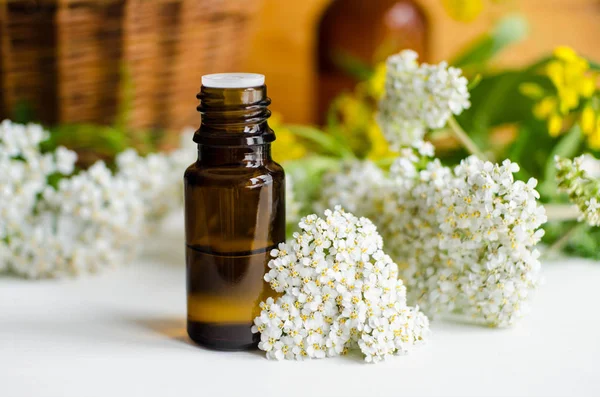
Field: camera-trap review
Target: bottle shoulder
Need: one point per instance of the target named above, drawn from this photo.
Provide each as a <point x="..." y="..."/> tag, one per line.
<point x="269" y="172"/>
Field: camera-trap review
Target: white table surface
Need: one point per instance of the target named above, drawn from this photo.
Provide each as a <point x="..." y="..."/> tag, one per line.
<point x="122" y="333"/>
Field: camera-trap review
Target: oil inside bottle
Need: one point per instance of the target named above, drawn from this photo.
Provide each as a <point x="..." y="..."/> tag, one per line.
<point x="224" y="290"/>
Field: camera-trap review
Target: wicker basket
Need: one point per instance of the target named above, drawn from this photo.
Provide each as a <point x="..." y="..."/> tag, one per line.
<point x="83" y="60"/>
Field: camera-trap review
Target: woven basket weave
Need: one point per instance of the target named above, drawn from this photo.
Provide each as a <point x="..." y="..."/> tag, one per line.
<point x="83" y="60"/>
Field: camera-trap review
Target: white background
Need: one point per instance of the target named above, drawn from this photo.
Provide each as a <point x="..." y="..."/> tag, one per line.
<point x="122" y="333"/>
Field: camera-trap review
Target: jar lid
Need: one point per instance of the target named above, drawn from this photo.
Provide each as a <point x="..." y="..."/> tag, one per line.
<point x="233" y="80"/>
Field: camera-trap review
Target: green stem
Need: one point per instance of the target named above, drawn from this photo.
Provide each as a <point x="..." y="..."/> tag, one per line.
<point x="559" y="244"/>
<point x="385" y="161"/>
<point x="464" y="139"/>
<point x="561" y="212"/>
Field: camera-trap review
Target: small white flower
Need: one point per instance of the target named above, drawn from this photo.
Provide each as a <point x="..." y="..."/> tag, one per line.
<point x="65" y="160"/>
<point x="576" y="177"/>
<point x="158" y="178"/>
<point x="418" y="98"/>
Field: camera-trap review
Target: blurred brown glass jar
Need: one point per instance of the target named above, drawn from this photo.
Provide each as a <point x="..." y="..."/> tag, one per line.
<point x="234" y="211"/>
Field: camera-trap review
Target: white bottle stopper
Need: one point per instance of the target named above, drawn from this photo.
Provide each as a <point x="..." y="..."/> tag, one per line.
<point x="233" y="80"/>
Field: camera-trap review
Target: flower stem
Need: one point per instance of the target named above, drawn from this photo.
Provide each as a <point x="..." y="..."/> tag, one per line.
<point x="561" y="212"/>
<point x="464" y="139"/>
<point x="564" y="239"/>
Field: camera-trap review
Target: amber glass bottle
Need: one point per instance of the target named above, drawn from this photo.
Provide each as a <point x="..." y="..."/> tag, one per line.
<point x="234" y="211"/>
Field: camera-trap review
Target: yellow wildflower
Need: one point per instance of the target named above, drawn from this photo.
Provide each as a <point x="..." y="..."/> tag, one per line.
<point x="463" y="10"/>
<point x="590" y="125"/>
<point x="376" y="84"/>
<point x="352" y="111"/>
<point x="353" y="115"/>
<point x="555" y="125"/>
<point x="588" y="120"/>
<point x="594" y="139"/>
<point x="531" y="90"/>
<point x="574" y="84"/>
<point x="569" y="75"/>
<point x="380" y="147"/>
<point x="545" y="108"/>
<point x="286" y="146"/>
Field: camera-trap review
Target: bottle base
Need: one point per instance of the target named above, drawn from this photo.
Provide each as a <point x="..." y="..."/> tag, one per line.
<point x="225" y="337"/>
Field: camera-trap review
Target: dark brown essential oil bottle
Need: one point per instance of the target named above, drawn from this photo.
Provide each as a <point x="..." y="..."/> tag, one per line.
<point x="234" y="211"/>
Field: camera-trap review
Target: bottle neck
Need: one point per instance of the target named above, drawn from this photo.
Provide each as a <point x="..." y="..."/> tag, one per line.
<point x="247" y="156"/>
<point x="234" y="117"/>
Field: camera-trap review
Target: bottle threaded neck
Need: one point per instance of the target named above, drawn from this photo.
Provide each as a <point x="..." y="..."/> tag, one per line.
<point x="234" y="116"/>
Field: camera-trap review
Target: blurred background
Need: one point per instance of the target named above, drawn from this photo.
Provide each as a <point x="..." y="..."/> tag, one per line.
<point x="137" y="63"/>
<point x="103" y="76"/>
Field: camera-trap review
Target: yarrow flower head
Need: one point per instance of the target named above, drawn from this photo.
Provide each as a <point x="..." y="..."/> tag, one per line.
<point x="581" y="185"/>
<point x="157" y="183"/>
<point x="488" y="228"/>
<point x="352" y="187"/>
<point x="419" y="97"/>
<point x="465" y="236"/>
<point x="54" y="222"/>
<point x="340" y="291"/>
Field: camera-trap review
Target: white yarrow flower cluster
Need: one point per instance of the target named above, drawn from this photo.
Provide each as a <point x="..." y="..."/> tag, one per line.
<point x="159" y="181"/>
<point x="352" y="186"/>
<point x="489" y="225"/>
<point x="466" y="236"/>
<point x="24" y="173"/>
<point x="54" y="223"/>
<point x="93" y="221"/>
<point x="418" y="98"/>
<point x="340" y="292"/>
<point x="576" y="178"/>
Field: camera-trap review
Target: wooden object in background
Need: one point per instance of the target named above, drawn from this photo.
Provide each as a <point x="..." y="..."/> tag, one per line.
<point x="83" y="60"/>
<point x="367" y="32"/>
<point x="28" y="60"/>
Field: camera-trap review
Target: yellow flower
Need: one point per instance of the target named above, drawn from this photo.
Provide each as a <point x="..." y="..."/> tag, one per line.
<point x="531" y="90"/>
<point x="286" y="146"/>
<point x="352" y="111"/>
<point x="594" y="137"/>
<point x="353" y="115"/>
<point x="544" y="108"/>
<point x="380" y="147"/>
<point x="555" y="125"/>
<point x="590" y="125"/>
<point x="588" y="120"/>
<point x="573" y="83"/>
<point x="376" y="84"/>
<point x="463" y="10"/>
<point x="565" y="53"/>
<point x="569" y="75"/>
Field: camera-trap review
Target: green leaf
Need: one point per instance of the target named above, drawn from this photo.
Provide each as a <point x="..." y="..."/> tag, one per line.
<point x="496" y="100"/>
<point x="104" y="140"/>
<point x="23" y="112"/>
<point x="509" y="30"/>
<point x="327" y="142"/>
<point x="519" y="152"/>
<point x="352" y="65"/>
<point x="586" y="243"/>
<point x="474" y="82"/>
<point x="594" y="66"/>
<point x="306" y="174"/>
